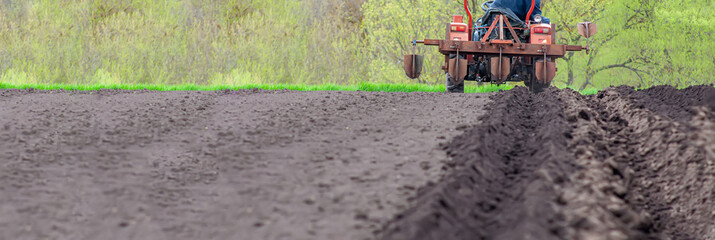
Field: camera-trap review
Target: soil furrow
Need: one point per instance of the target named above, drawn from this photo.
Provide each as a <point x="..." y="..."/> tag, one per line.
<point x="618" y="165"/>
<point x="594" y="200"/>
<point x="669" y="101"/>
<point x="673" y="167"/>
<point x="502" y="186"/>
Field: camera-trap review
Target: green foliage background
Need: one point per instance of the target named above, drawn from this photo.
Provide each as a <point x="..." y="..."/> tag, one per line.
<point x="238" y="42"/>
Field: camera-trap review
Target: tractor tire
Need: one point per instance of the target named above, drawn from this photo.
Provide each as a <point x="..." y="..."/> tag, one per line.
<point x="451" y="87"/>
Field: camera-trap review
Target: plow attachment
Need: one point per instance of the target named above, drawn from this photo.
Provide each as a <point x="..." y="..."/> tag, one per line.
<point x="499" y="69"/>
<point x="458" y="70"/>
<point x="545" y="71"/>
<point x="526" y="53"/>
<point x="413" y="65"/>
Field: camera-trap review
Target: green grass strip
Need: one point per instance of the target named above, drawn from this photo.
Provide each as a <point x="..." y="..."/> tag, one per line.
<point x="589" y="91"/>
<point x="367" y="87"/>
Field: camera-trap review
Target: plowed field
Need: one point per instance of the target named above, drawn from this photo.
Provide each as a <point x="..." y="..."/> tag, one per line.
<point x="617" y="165"/>
<point x="108" y="164"/>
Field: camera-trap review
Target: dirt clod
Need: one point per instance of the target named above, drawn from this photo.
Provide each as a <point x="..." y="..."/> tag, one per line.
<point x="621" y="164"/>
<point x="249" y="164"/>
<point x="256" y="164"/>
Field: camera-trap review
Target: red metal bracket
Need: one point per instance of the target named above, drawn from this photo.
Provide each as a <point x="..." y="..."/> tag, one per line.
<point x="491" y="28"/>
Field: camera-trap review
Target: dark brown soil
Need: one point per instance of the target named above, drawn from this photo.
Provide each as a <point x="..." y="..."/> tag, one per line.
<point x="218" y="165"/>
<point x="559" y="165"/>
<point x="500" y="165"/>
<point x="671" y="102"/>
<point x="110" y="164"/>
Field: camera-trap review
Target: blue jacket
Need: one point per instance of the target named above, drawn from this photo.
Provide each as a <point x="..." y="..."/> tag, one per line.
<point x="520" y="8"/>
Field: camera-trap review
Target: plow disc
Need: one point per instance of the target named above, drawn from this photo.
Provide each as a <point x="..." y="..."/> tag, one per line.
<point x="499" y="69"/>
<point x="413" y="65"/>
<point x="587" y="29"/>
<point x="545" y="72"/>
<point x="458" y="70"/>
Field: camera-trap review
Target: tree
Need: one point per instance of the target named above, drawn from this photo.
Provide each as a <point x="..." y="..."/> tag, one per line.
<point x="655" y="42"/>
<point x="566" y="15"/>
<point x="392" y="24"/>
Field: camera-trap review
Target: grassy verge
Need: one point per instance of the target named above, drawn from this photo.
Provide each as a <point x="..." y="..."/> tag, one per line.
<point x="367" y="87"/>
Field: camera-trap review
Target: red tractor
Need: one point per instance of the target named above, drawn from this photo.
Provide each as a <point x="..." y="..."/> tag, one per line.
<point x="501" y="48"/>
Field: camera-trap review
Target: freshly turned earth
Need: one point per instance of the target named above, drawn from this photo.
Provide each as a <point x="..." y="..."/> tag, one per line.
<point x="218" y="165"/>
<point x="621" y="164"/>
<point x="558" y="165"/>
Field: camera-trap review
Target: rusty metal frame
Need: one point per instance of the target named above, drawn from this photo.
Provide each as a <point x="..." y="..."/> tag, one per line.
<point x="500" y="48"/>
<point x="506" y="47"/>
<point x="489" y="32"/>
<point x="511" y="30"/>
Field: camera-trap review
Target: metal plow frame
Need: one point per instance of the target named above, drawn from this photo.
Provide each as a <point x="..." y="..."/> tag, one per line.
<point x="500" y="48"/>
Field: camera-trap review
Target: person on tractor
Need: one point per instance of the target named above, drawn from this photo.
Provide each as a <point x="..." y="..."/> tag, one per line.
<point x="515" y="11"/>
<point x="520" y="8"/>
